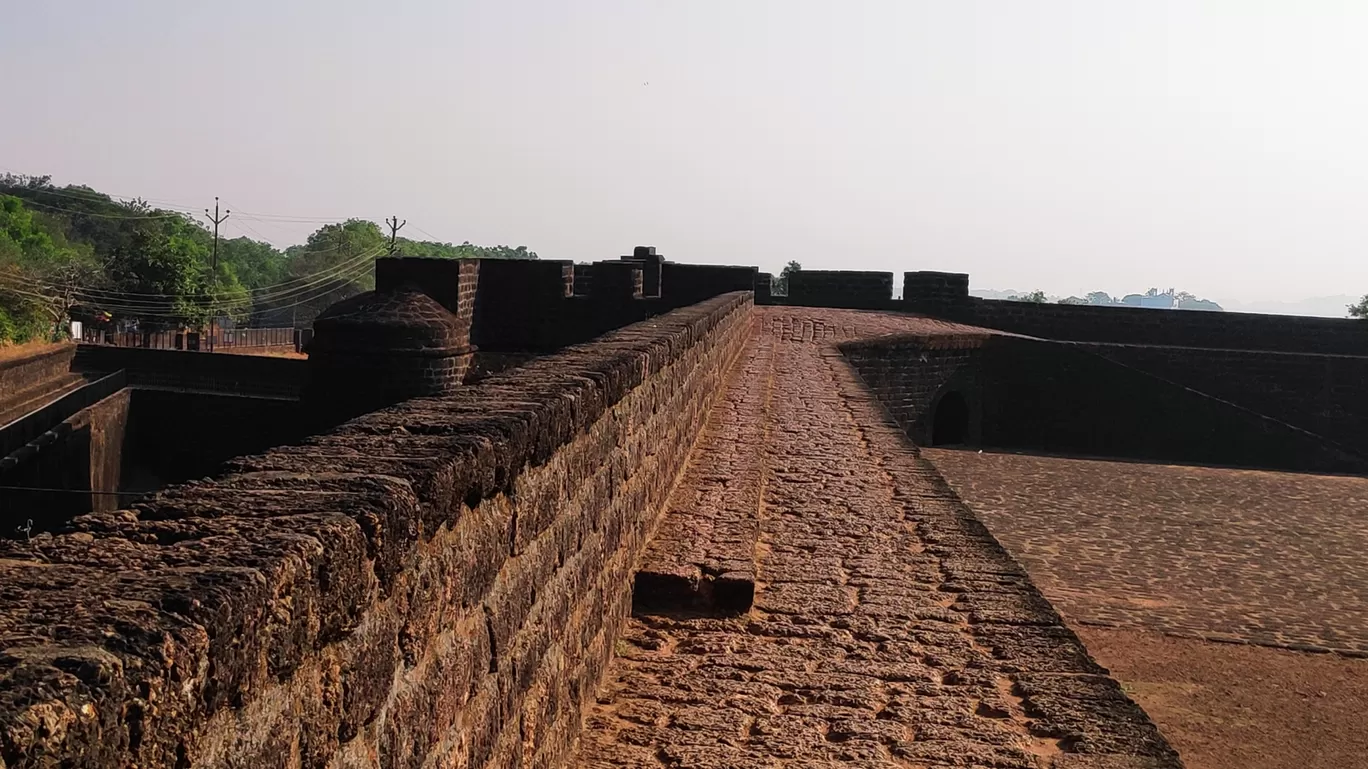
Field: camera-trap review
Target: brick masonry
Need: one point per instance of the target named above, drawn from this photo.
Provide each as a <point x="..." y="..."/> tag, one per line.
<point x="1038" y="395"/>
<point x="439" y="581"/>
<point x="889" y="629"/>
<point x="910" y="373"/>
<point x="1239" y="556"/>
<point x="1323" y="394"/>
<point x="946" y="295"/>
<point x="381" y="347"/>
<point x="253" y="375"/>
<point x="27" y="382"/>
<point x="839" y="288"/>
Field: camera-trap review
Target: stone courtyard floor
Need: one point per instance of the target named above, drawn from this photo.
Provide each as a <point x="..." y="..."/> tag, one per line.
<point x="889" y="628"/>
<point x="1151" y="563"/>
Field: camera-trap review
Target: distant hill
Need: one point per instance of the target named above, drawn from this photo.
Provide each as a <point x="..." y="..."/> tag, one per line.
<point x="1154" y="298"/>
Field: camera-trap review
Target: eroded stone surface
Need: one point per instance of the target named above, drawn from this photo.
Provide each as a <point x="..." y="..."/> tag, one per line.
<point x="889" y="628"/>
<point x="1249" y="556"/>
<point x="439" y="583"/>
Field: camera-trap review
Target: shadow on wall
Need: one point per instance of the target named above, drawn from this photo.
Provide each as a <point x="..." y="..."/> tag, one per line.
<point x="129" y="444"/>
<point x="950" y="426"/>
<point x="1023" y="394"/>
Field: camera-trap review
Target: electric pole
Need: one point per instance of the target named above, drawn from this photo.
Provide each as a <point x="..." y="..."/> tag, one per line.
<point x="213" y="268"/>
<point x="395" y="225"/>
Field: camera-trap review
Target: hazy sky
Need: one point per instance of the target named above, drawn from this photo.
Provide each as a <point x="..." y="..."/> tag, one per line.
<point x="1218" y="147"/>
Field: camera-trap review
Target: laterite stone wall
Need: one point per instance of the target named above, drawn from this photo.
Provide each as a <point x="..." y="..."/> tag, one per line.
<point x="441" y="582"/>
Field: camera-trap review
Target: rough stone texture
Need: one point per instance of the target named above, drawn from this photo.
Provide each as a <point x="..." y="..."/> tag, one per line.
<point x="452" y="282"/>
<point x="382" y="347"/>
<point x="29" y="381"/>
<point x="512" y="299"/>
<point x="909" y="373"/>
<point x="839" y="288"/>
<point x="947" y="296"/>
<point x="251" y="375"/>
<point x="703" y="556"/>
<point x="888" y="630"/>
<point x="82" y="452"/>
<point x="1024" y="393"/>
<point x="1320" y="393"/>
<point x="942" y="290"/>
<point x="435" y="583"/>
<point x="689" y="283"/>
<point x="1062" y="398"/>
<point x="1242" y="556"/>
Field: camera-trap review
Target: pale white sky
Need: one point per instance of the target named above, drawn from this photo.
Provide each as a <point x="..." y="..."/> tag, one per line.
<point x="1218" y="147"/>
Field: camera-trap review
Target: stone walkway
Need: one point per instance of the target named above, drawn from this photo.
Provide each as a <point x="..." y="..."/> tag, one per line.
<point x="888" y="628"/>
<point x="1248" y="556"/>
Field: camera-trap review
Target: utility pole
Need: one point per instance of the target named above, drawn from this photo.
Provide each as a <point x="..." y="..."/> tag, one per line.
<point x="213" y="267"/>
<point x="395" y="225"/>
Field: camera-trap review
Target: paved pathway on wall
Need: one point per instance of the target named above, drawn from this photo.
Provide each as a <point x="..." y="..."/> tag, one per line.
<point x="1266" y="558"/>
<point x="889" y="629"/>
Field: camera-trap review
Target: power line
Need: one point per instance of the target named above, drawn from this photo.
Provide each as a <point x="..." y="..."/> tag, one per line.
<point x="213" y="265"/>
<point x="74" y="491"/>
<point x="434" y="238"/>
<point x="102" y="197"/>
<point x="102" y="216"/>
<point x="310" y="291"/>
<point x="394" y="227"/>
<point x="268" y="289"/>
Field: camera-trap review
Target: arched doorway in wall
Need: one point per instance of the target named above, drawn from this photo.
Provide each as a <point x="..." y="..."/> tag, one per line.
<point x="950" y="425"/>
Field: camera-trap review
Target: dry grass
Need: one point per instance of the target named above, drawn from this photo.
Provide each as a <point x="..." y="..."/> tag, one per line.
<point x="29" y="349"/>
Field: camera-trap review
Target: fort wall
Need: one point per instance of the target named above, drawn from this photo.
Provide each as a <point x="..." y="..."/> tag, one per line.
<point x="1320" y="393"/>
<point x="115" y="441"/>
<point x="1065" y="399"/>
<point x="1027" y="394"/>
<point x="25" y="381"/>
<point x="83" y="452"/>
<point x="254" y="375"/>
<point x="440" y="581"/>
<point x="909" y="374"/>
<point x="946" y="295"/>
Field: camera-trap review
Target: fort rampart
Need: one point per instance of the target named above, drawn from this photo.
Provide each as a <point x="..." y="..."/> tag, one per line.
<point x="441" y="578"/>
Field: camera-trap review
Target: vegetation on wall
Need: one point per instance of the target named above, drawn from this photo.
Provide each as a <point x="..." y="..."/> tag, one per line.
<point x="779" y="286"/>
<point x="73" y="253"/>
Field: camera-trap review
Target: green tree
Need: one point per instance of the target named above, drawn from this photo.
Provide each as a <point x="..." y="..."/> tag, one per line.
<point x="466" y="250"/>
<point x="337" y="262"/>
<point x="145" y="263"/>
<point x="780" y="284"/>
<point x="254" y="263"/>
<point x="40" y="273"/>
<point x="1035" y="297"/>
<point x="1359" y="310"/>
<point x="1073" y="300"/>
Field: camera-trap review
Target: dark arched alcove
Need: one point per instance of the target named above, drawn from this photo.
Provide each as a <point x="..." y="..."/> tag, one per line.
<point x="950" y="426"/>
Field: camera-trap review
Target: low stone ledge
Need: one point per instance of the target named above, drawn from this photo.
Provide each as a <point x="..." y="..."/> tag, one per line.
<point x="126" y="638"/>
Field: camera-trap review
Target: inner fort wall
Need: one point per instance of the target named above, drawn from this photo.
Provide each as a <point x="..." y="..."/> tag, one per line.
<point x="946" y="295"/>
<point x="1034" y="395"/>
<point x="442" y="579"/>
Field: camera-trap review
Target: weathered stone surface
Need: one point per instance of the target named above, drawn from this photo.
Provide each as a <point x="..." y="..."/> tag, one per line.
<point x="888" y="629"/>
<point x="1243" y="556"/>
<point x="442" y="580"/>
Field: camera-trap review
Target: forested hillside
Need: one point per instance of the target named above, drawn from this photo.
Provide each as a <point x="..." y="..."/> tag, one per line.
<point x="73" y="253"/>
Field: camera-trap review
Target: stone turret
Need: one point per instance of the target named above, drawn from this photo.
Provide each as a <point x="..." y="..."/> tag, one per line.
<point x="382" y="347"/>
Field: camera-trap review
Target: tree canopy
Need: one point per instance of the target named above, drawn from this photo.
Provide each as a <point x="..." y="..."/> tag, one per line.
<point x="781" y="282"/>
<point x="75" y="253"/>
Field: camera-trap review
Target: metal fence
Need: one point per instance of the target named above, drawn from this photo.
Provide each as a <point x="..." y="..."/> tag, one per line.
<point x="225" y="340"/>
